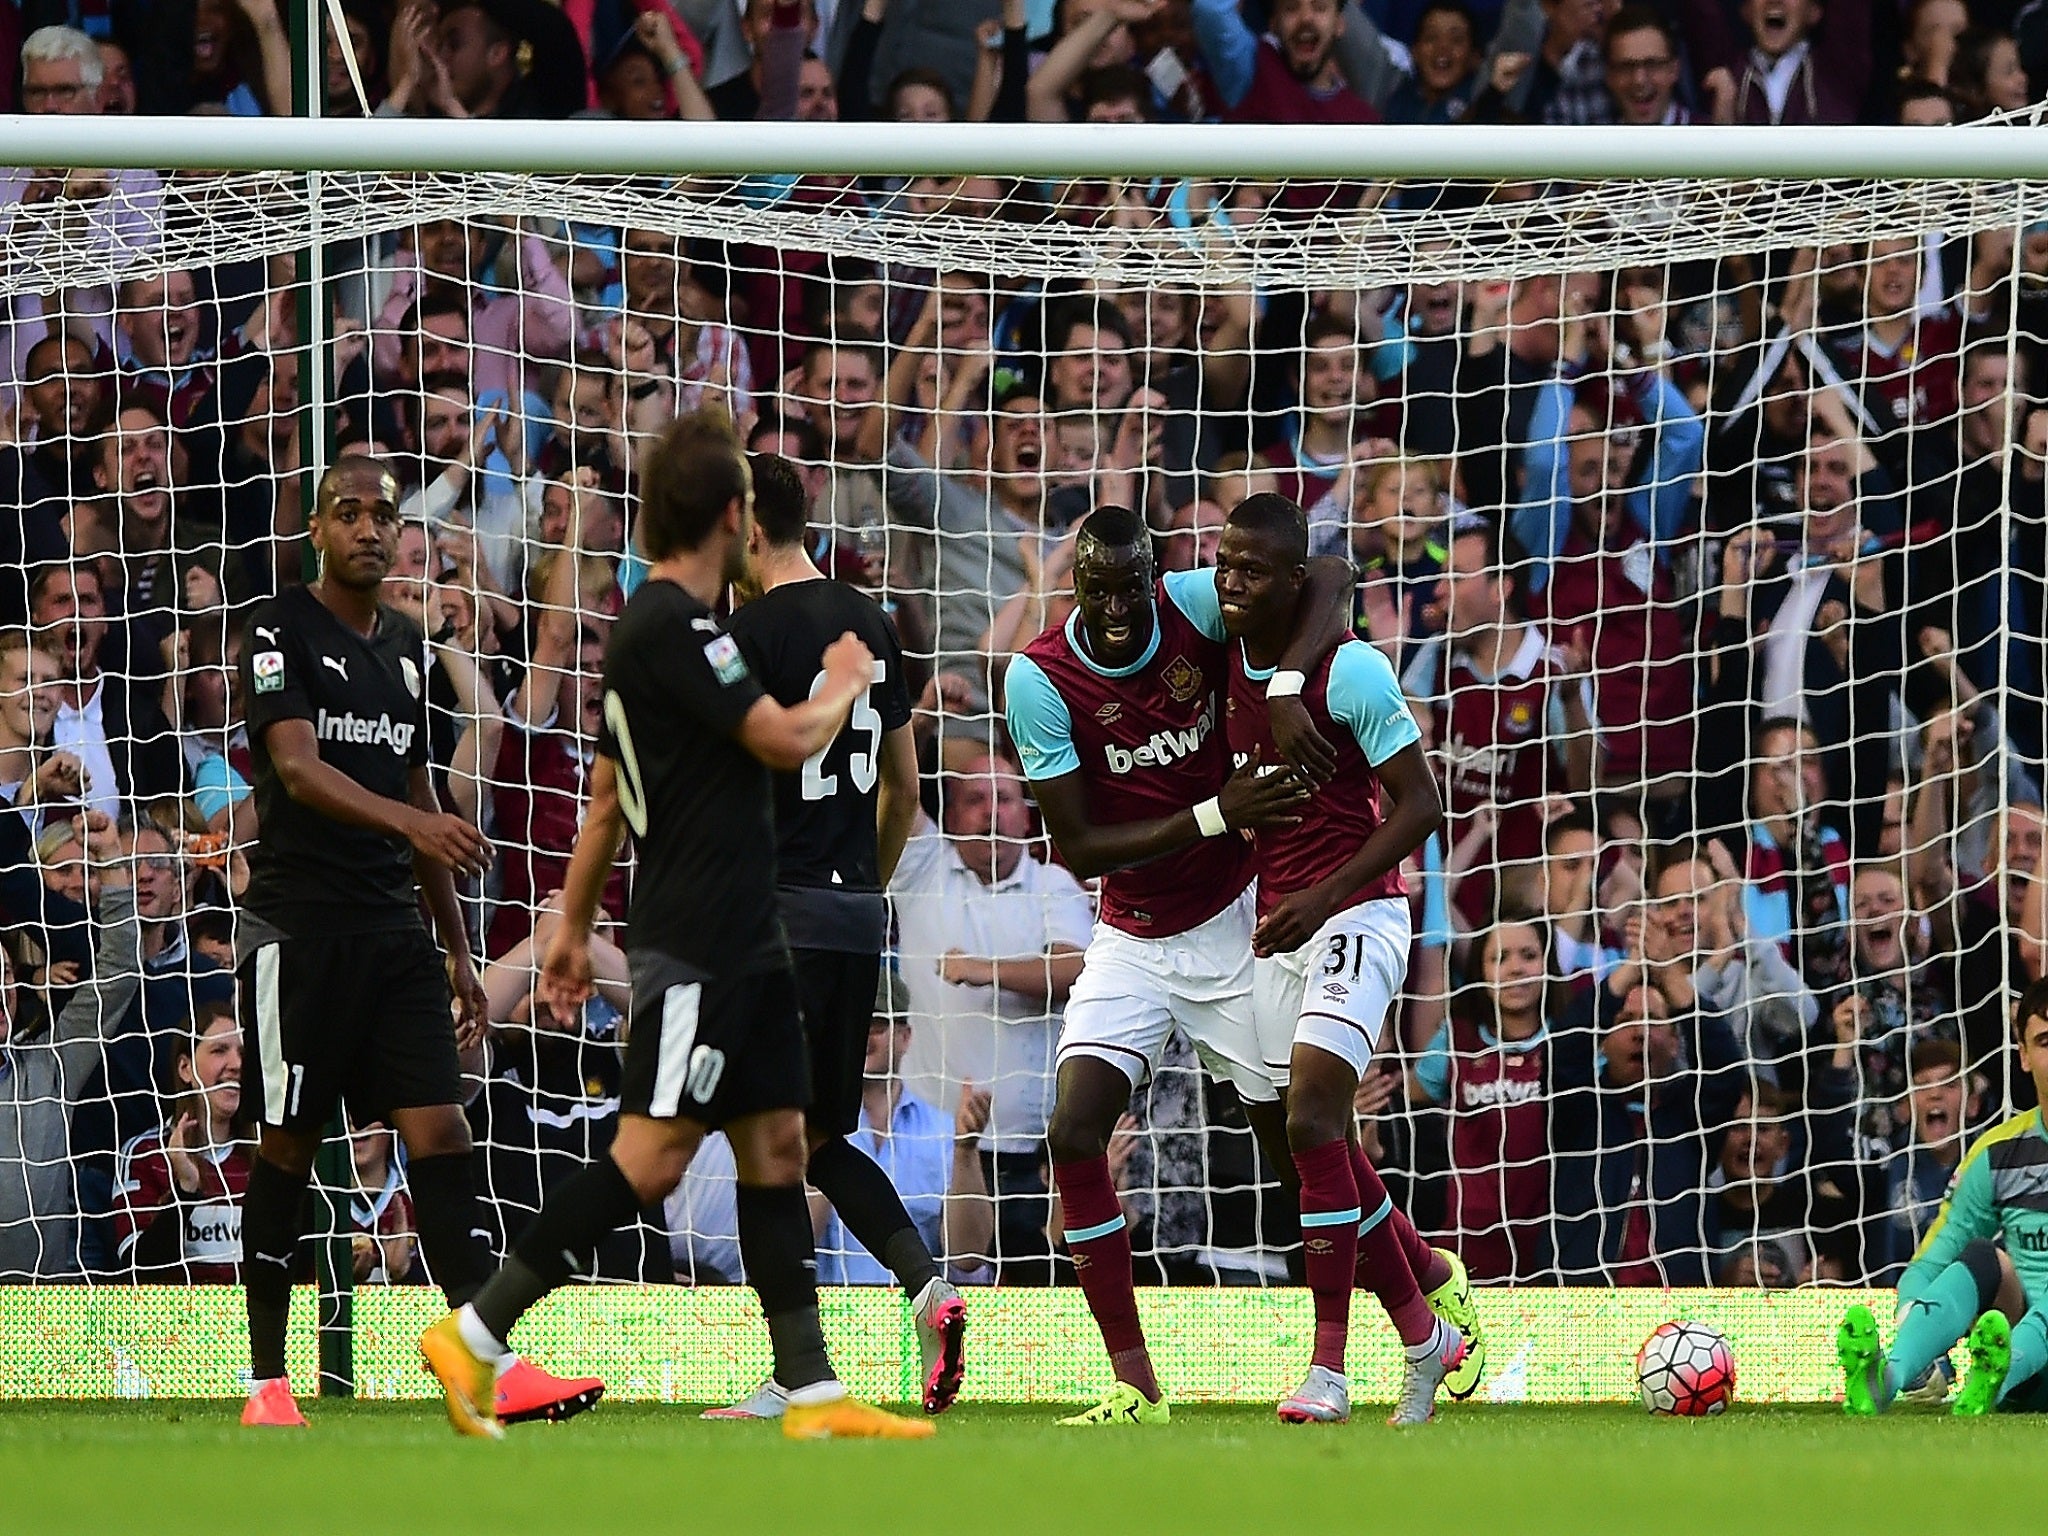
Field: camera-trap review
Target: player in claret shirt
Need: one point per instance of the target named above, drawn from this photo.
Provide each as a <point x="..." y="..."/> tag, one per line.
<point x="1332" y="950"/>
<point x="1117" y="720"/>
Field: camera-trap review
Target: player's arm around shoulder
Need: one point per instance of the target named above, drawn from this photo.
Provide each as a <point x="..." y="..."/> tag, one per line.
<point x="1322" y="618"/>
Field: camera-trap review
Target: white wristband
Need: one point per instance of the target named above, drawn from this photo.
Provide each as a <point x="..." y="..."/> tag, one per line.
<point x="1209" y="817"/>
<point x="1286" y="685"/>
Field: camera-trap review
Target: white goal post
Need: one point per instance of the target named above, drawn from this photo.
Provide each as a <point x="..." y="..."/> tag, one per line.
<point x="974" y="332"/>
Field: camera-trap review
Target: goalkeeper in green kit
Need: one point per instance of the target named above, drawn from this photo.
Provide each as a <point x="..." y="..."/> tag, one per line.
<point x="1981" y="1272"/>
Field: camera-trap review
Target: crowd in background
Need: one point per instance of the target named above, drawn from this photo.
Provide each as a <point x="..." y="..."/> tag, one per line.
<point x="1717" y="585"/>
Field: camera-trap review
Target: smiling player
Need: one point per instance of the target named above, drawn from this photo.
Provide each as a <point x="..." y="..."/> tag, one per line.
<point x="1332" y="945"/>
<point x="1116" y="720"/>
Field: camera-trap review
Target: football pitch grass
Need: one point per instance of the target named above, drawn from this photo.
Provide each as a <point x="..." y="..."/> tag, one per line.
<point x="167" y="1468"/>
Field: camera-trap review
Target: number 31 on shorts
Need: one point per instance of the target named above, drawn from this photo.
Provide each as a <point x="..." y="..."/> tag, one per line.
<point x="1346" y="951"/>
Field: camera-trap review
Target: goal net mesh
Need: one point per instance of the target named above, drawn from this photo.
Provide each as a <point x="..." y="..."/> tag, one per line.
<point x="1702" y="519"/>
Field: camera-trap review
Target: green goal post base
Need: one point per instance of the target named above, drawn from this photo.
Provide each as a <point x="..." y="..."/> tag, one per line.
<point x="703" y="1345"/>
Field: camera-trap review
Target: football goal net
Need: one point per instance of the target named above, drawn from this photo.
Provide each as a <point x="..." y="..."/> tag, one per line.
<point x="1692" y="481"/>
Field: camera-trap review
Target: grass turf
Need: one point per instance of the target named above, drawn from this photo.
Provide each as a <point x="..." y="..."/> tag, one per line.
<point x="166" y="1468"/>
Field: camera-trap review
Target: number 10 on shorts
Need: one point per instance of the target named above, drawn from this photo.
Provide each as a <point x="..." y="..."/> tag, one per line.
<point x="684" y="1067"/>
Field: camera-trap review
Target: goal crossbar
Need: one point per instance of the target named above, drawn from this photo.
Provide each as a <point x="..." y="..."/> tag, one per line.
<point x="1058" y="150"/>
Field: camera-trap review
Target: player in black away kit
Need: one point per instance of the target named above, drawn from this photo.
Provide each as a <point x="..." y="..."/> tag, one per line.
<point x="715" y="1037"/>
<point x="344" y="995"/>
<point x="841" y="820"/>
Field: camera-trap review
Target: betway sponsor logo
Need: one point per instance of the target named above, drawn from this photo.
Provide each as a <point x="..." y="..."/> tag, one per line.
<point x="1483" y="763"/>
<point x="360" y="731"/>
<point x="1165" y="747"/>
<point x="1500" y="1092"/>
<point x="213" y="1233"/>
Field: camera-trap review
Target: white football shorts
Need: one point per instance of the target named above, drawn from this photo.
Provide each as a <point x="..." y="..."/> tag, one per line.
<point x="1336" y="991"/>
<point x="1132" y="992"/>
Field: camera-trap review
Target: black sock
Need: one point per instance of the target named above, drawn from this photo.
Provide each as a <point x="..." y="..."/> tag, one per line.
<point x="273" y="1221"/>
<point x="782" y="1266"/>
<point x="872" y="1210"/>
<point x="573" y="1217"/>
<point x="444" y="1199"/>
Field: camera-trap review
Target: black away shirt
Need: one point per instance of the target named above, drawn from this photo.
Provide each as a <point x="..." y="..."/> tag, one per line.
<point x="698" y="803"/>
<point x="366" y="705"/>
<point x="825" y="811"/>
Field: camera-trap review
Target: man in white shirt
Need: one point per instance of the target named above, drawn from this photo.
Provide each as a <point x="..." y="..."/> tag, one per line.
<point x="67" y="600"/>
<point x="44" y="210"/>
<point x="990" y="941"/>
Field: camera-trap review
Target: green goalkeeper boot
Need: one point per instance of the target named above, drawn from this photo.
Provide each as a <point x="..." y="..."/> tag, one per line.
<point x="1861" y="1357"/>
<point x="1990" y="1361"/>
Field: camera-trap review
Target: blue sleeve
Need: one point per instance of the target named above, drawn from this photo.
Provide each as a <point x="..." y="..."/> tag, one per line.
<point x="1436" y="931"/>
<point x="1390" y="358"/>
<point x="1433" y="1066"/>
<point x="1194" y="594"/>
<point x="1229" y="46"/>
<point x="1540" y="523"/>
<point x="1678" y="441"/>
<point x="1039" y="723"/>
<point x="1365" y="695"/>
<point x="216" y="786"/>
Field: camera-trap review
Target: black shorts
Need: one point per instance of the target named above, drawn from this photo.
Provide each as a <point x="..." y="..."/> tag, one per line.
<point x="837" y="991"/>
<point x="360" y="1017"/>
<point x="712" y="1050"/>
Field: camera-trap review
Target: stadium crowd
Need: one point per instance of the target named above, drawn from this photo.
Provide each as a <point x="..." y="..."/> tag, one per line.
<point x="1718" y="585"/>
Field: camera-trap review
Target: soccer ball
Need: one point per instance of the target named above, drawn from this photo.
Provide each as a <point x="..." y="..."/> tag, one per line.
<point x="1686" y="1370"/>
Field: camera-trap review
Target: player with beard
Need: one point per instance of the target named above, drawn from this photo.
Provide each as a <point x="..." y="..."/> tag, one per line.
<point x="841" y="821"/>
<point x="1115" y="716"/>
<point x="1332" y="947"/>
<point x="716" y="1037"/>
<point x="344" y="995"/>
